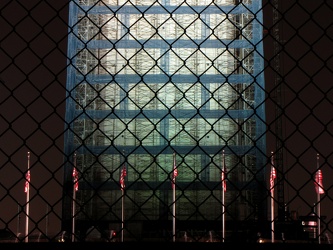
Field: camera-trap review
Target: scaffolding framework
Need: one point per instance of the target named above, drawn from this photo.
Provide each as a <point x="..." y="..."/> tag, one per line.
<point x="151" y="78"/>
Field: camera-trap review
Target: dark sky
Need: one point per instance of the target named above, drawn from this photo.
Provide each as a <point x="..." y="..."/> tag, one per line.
<point x="33" y="45"/>
<point x="306" y="35"/>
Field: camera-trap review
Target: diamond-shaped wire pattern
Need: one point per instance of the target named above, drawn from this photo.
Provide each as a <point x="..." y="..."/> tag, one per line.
<point x="141" y="98"/>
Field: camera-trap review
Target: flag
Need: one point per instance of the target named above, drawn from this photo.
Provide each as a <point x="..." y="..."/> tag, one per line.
<point x="27" y="181"/>
<point x="319" y="179"/>
<point x="223" y="174"/>
<point x="273" y="173"/>
<point x="319" y="182"/>
<point x="175" y="171"/>
<point x="75" y="179"/>
<point x="123" y="173"/>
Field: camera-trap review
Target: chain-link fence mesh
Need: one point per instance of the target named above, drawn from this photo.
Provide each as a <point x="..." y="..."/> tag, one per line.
<point x="197" y="101"/>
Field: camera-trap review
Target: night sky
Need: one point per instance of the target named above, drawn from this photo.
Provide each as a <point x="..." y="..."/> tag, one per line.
<point x="33" y="43"/>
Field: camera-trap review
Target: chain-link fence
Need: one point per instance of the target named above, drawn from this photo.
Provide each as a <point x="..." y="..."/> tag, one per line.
<point x="180" y="121"/>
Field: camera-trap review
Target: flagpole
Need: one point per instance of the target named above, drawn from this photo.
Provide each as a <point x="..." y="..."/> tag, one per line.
<point x="318" y="214"/>
<point x="18" y="219"/>
<point x="47" y="220"/>
<point x="174" y="214"/>
<point x="122" y="215"/>
<point x="223" y="190"/>
<point x="122" y="205"/>
<point x="174" y="198"/>
<point x="27" y="189"/>
<point x="318" y="199"/>
<point x="123" y="173"/>
<point x="272" y="176"/>
<point x="74" y="199"/>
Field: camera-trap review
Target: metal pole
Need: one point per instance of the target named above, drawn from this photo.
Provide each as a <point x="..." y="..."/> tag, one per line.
<point x="223" y="216"/>
<point x="318" y="216"/>
<point x="47" y="220"/>
<point x="318" y="199"/>
<point x="272" y="177"/>
<point x="18" y="219"/>
<point x="122" y="215"/>
<point x="73" y="216"/>
<point x="223" y="190"/>
<point x="123" y="173"/>
<point x="74" y="201"/>
<point x="27" y="201"/>
<point x="174" y="174"/>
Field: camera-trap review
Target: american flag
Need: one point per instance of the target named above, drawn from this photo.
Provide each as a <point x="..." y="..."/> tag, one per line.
<point x="319" y="182"/>
<point x="223" y="174"/>
<point x="27" y="181"/>
<point x="27" y="175"/>
<point x="75" y="179"/>
<point x="273" y="173"/>
<point x="319" y="179"/>
<point x="123" y="173"/>
<point x="175" y="171"/>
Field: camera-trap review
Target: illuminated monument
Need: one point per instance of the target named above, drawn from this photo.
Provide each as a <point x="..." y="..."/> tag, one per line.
<point x="149" y="79"/>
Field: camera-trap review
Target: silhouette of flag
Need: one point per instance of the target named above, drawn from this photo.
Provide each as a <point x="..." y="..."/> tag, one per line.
<point x="319" y="179"/>
<point x="75" y="179"/>
<point x="27" y="181"/>
<point x="273" y="173"/>
<point x="175" y="171"/>
<point x="319" y="182"/>
<point x="123" y="173"/>
<point x="223" y="174"/>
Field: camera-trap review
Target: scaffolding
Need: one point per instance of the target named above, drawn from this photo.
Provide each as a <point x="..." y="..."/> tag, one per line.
<point x="150" y="78"/>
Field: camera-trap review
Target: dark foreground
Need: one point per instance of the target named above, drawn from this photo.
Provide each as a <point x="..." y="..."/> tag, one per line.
<point x="162" y="246"/>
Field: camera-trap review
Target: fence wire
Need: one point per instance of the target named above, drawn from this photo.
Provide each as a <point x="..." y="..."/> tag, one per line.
<point x="186" y="121"/>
